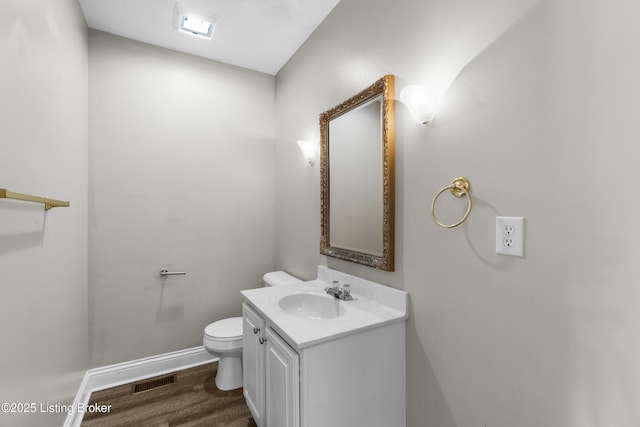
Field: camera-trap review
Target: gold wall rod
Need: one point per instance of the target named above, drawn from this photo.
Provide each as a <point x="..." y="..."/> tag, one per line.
<point x="48" y="203"/>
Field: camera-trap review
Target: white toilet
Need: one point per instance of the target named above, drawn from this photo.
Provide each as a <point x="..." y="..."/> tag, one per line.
<point x="223" y="339"/>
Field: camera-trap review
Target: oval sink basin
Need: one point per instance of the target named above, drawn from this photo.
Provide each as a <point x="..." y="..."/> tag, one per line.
<point x="311" y="306"/>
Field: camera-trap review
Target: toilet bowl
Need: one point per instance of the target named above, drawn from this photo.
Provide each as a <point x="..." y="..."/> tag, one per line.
<point x="223" y="339"/>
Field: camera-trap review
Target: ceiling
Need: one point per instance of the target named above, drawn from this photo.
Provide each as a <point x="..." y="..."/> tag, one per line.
<point x="256" y="34"/>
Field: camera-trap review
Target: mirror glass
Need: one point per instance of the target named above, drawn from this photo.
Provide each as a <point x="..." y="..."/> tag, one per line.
<point x="355" y="181"/>
<point x="357" y="153"/>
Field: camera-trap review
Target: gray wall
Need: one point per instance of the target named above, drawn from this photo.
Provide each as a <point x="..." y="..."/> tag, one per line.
<point x="181" y="177"/>
<point x="43" y="256"/>
<point x="542" y="118"/>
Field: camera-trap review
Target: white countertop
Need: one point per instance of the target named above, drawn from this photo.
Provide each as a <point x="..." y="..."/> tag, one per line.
<point x="374" y="305"/>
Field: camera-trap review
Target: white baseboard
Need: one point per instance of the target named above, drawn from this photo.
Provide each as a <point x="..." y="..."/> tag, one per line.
<point x="122" y="373"/>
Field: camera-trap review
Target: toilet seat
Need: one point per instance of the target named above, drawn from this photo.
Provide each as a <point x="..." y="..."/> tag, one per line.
<point x="225" y="329"/>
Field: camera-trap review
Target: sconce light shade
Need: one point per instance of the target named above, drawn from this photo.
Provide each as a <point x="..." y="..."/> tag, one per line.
<point x="309" y="151"/>
<point x="421" y="101"/>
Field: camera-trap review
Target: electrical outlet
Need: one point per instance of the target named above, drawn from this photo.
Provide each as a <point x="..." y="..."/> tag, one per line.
<point x="510" y="235"/>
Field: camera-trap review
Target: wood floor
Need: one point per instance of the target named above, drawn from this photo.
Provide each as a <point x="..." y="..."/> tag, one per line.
<point x="192" y="401"/>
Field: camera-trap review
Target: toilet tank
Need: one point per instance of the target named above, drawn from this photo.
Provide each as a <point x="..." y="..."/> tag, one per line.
<point x="278" y="278"/>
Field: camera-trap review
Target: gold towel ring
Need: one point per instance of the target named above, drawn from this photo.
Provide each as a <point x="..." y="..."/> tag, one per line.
<point x="459" y="187"/>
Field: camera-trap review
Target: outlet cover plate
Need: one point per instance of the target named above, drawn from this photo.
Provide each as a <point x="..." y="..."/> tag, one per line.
<point x="510" y="235"/>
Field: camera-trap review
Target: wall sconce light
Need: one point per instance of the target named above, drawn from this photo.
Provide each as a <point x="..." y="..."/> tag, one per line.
<point x="309" y="151"/>
<point x="421" y="101"/>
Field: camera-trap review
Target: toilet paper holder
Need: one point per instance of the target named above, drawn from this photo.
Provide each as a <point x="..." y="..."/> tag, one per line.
<point x="165" y="272"/>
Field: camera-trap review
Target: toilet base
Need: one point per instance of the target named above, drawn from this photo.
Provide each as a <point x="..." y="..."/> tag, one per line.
<point x="229" y="374"/>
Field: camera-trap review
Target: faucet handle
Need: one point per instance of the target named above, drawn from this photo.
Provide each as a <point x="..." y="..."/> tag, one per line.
<point x="334" y="287"/>
<point x="346" y="292"/>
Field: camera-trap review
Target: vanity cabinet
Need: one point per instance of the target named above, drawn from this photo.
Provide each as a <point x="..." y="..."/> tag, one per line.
<point x="353" y="380"/>
<point x="312" y="360"/>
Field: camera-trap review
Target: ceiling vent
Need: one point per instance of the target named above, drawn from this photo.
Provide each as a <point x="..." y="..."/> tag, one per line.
<point x="194" y="22"/>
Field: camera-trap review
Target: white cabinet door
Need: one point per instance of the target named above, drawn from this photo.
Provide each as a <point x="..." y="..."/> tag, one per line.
<point x="253" y="372"/>
<point x="282" y="383"/>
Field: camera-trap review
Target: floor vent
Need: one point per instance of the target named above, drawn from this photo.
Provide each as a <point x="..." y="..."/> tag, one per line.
<point x="152" y="383"/>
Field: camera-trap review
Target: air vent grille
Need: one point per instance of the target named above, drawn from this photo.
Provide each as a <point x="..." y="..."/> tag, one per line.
<point x="152" y="383"/>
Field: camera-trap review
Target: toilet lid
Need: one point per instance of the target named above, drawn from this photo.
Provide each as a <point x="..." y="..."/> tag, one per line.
<point x="225" y="328"/>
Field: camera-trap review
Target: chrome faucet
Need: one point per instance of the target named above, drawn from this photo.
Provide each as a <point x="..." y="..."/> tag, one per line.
<point x="334" y="290"/>
<point x="343" y="293"/>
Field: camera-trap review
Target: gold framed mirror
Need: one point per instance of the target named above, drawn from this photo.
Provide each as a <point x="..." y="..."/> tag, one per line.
<point x="357" y="177"/>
